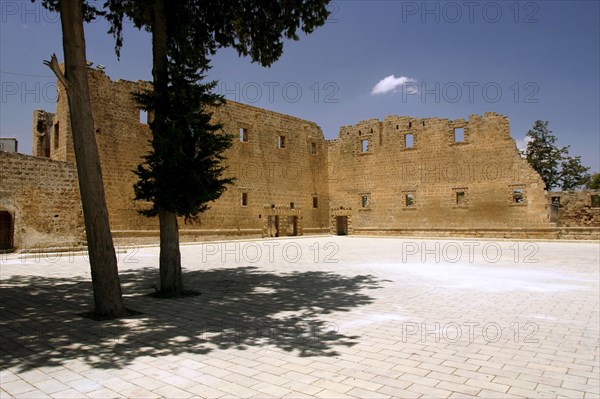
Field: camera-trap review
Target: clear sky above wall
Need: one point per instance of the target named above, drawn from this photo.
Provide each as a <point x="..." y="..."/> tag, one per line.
<point x="528" y="60"/>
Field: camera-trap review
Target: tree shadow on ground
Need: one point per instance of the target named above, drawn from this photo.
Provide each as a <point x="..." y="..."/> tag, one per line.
<point x="238" y="308"/>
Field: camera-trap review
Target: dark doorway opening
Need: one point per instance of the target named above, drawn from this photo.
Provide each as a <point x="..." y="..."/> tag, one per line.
<point x="6" y="231"/>
<point x="554" y="212"/>
<point x="341" y="225"/>
<point x="273" y="226"/>
<point x="292" y="226"/>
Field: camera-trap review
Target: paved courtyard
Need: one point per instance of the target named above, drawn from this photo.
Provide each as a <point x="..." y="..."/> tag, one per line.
<point x="327" y="317"/>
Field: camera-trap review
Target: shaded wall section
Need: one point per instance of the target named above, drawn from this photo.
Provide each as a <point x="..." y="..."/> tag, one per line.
<point x="42" y="197"/>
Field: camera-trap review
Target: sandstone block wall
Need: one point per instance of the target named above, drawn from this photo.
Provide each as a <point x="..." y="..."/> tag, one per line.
<point x="293" y="177"/>
<point x="576" y="208"/>
<point x="402" y="175"/>
<point x="437" y="183"/>
<point x="42" y="197"/>
<point x="265" y="173"/>
<point x="122" y="138"/>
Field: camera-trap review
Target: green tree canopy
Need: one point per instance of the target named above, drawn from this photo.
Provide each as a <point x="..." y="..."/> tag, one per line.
<point x="573" y="174"/>
<point x="594" y="182"/>
<point x="183" y="171"/>
<point x="256" y="29"/>
<point x="553" y="163"/>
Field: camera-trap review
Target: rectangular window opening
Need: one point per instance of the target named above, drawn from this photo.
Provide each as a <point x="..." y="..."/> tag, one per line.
<point x="56" y="134"/>
<point x="409" y="140"/>
<point x="459" y="135"/>
<point x="313" y="148"/>
<point x="244" y="199"/>
<point x="410" y="199"/>
<point x="291" y="205"/>
<point x="460" y="198"/>
<point x="143" y="117"/>
<point x="315" y="202"/>
<point x="281" y="141"/>
<point x="555" y="200"/>
<point x="518" y="195"/>
<point x="243" y="135"/>
<point x="365" y="201"/>
<point x="364" y="146"/>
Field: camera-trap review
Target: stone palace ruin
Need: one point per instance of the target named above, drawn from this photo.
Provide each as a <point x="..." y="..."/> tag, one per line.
<point x="400" y="176"/>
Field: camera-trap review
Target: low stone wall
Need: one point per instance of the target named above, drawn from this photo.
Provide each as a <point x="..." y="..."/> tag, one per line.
<point x="577" y="208"/>
<point x="549" y="233"/>
<point x="579" y="233"/>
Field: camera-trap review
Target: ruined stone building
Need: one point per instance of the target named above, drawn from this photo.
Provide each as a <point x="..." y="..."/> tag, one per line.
<point x="399" y="176"/>
<point x="575" y="208"/>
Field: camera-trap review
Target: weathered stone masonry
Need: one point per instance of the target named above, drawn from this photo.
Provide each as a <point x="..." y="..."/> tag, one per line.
<point x="280" y="167"/>
<point x="575" y="212"/>
<point x="413" y="176"/>
<point x="407" y="176"/>
<point x="42" y="198"/>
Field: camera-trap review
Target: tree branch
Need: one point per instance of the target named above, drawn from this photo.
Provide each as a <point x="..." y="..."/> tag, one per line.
<point x="53" y="65"/>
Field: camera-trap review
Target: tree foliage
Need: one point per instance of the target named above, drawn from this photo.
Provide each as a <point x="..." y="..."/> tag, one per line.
<point x="573" y="174"/>
<point x="553" y="163"/>
<point x="594" y="182"/>
<point x="256" y="29"/>
<point x="182" y="173"/>
<point x="89" y="12"/>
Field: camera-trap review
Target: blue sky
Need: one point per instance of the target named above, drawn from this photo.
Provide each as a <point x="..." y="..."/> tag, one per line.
<point x="528" y="60"/>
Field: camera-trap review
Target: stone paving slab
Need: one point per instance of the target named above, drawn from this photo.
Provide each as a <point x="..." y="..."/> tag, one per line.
<point x="326" y="317"/>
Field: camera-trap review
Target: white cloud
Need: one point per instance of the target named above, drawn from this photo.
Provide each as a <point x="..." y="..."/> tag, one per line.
<point x="522" y="143"/>
<point x="393" y="84"/>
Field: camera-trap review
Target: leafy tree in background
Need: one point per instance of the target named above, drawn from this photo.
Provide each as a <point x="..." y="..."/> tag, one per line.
<point x="185" y="34"/>
<point x="555" y="166"/>
<point x="573" y="174"/>
<point x="543" y="155"/>
<point x="108" y="300"/>
<point x="594" y="182"/>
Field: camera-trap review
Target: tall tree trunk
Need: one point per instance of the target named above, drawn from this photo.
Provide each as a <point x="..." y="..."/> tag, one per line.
<point x="171" y="282"/>
<point x="108" y="299"/>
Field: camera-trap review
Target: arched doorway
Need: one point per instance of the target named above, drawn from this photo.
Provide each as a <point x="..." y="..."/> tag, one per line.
<point x="6" y="231"/>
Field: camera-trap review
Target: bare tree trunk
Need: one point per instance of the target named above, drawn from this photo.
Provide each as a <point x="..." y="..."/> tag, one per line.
<point x="108" y="299"/>
<point x="171" y="282"/>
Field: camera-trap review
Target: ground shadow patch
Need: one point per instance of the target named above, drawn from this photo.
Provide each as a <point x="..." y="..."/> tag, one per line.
<point x="239" y="308"/>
